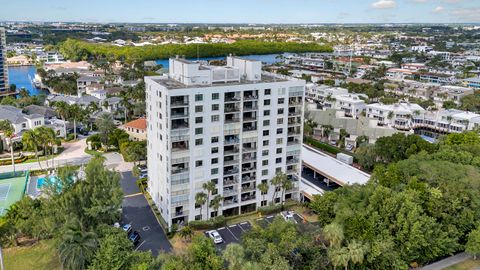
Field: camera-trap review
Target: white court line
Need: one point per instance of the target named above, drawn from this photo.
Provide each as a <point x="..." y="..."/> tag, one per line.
<point x="140" y="245"/>
<point x="8" y="191"/>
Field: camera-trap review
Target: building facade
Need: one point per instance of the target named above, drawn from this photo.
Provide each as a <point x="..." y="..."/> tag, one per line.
<point x="232" y="125"/>
<point x="4" y="86"/>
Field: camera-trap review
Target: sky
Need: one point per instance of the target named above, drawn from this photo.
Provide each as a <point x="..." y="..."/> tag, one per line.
<point x="243" y="11"/>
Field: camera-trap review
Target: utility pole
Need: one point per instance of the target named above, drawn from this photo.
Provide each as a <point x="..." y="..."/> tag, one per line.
<point x="1" y="259"/>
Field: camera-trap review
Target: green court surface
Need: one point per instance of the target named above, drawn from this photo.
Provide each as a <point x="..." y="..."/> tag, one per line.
<point x="12" y="189"/>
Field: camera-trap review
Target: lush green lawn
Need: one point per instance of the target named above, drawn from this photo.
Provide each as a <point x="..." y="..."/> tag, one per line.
<point x="466" y="265"/>
<point x="39" y="256"/>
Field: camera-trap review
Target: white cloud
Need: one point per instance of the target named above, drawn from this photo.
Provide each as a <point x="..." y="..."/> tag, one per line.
<point x="384" y="4"/>
<point x="467" y="14"/>
<point x="438" y="9"/>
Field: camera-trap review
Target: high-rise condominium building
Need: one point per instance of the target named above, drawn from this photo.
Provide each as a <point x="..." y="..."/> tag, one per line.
<point x="232" y="125"/>
<point x="3" y="63"/>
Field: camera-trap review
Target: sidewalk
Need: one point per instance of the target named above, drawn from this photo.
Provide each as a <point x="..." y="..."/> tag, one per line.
<point x="452" y="260"/>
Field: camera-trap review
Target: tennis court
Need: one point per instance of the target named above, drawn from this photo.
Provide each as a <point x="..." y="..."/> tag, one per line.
<point x="12" y="189"/>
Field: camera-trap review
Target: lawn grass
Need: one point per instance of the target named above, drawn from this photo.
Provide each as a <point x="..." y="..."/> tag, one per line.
<point x="39" y="256"/>
<point x="469" y="264"/>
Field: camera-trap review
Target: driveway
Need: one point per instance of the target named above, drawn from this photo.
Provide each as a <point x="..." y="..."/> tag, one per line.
<point x="137" y="211"/>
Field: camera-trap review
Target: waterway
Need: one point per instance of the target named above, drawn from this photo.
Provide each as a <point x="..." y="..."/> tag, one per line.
<point x="22" y="76"/>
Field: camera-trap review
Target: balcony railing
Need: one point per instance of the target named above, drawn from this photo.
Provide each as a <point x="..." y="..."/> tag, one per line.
<point x="232" y="109"/>
<point x="231" y="171"/>
<point x="179" y="103"/>
<point x="249" y="119"/>
<point x="180" y="214"/>
<point x="179" y="126"/>
<point x="230" y="182"/>
<point x="248" y="188"/>
<point x="296" y="113"/>
<point x="249" y="128"/>
<point x="249" y="149"/>
<point x="247" y="169"/>
<point x="292" y="161"/>
<point x="178" y="171"/>
<point x="178" y="115"/>
<point x="232" y="99"/>
<point x="229" y="192"/>
<point x="250" y="97"/>
<point x="250" y="108"/>
<point x="229" y="202"/>
<point x="231" y="152"/>
<point x="294" y="142"/>
<point x="246" y="179"/>
<point x="232" y="120"/>
<point x="230" y="162"/>
<point x="248" y="198"/>
<point x="232" y="141"/>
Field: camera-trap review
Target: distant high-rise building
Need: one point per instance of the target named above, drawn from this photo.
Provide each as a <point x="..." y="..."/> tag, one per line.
<point x="4" y="87"/>
<point x="231" y="125"/>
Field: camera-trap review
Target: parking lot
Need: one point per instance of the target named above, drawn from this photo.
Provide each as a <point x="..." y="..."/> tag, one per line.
<point x="264" y="221"/>
<point x="232" y="233"/>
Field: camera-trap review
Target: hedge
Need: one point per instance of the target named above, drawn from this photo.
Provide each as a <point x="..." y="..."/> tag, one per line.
<point x="326" y="147"/>
<point x="208" y="224"/>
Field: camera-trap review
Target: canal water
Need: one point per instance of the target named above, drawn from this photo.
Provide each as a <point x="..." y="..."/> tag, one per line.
<point x="22" y="76"/>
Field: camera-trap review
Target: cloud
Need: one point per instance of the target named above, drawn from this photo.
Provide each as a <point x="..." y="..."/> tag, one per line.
<point x="438" y="9"/>
<point x="384" y="4"/>
<point x="451" y="1"/>
<point x="467" y="14"/>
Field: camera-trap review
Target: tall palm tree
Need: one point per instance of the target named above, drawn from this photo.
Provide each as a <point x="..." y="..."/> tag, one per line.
<point x="356" y="252"/>
<point x="210" y="188"/>
<point x="31" y="141"/>
<point x="8" y="131"/>
<point x="285" y="185"/>
<point x="339" y="257"/>
<point x="62" y="110"/>
<point x="126" y="104"/>
<point x="201" y="199"/>
<point x="76" y="113"/>
<point x="263" y="187"/>
<point x="77" y="246"/>
<point x="333" y="233"/>
<point x="186" y="232"/>
<point x="276" y="182"/>
<point x="105" y="126"/>
<point x="216" y="203"/>
<point x="234" y="255"/>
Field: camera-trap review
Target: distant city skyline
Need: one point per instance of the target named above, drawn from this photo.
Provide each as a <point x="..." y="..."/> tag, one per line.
<point x="246" y="11"/>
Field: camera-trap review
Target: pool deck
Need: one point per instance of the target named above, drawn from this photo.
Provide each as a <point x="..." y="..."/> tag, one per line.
<point x="32" y="187"/>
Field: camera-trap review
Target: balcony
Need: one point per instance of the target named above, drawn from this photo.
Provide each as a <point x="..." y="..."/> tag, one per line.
<point x="247" y="128"/>
<point x="249" y="118"/>
<point x="246" y="198"/>
<point x="179" y="170"/>
<point x="179" y="146"/>
<point x="294" y="122"/>
<point x="178" y="103"/>
<point x="230" y="151"/>
<point x="229" y="192"/>
<point x="249" y="149"/>
<point x="230" y="171"/>
<point x="249" y="169"/>
<point x="230" y="202"/>
<point x="232" y="120"/>
<point x="294" y="113"/>
<point x="230" y="162"/>
<point x="248" y="188"/>
<point x="250" y="108"/>
<point x="249" y="158"/>
<point x="249" y="97"/>
<point x="179" y="124"/>
<point x="231" y="141"/>
<point x="229" y="181"/>
<point x="179" y="214"/>
<point x="178" y="115"/>
<point x="292" y="161"/>
<point x="293" y="142"/>
<point x="232" y="98"/>
<point x="231" y="109"/>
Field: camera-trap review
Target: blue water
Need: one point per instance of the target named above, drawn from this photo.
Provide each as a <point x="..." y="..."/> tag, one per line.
<point x="43" y="182"/>
<point x="266" y="58"/>
<point x="20" y="77"/>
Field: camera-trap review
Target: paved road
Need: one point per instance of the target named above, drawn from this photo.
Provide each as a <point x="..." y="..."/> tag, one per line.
<point x="72" y="154"/>
<point x="137" y="212"/>
<point x="447" y="262"/>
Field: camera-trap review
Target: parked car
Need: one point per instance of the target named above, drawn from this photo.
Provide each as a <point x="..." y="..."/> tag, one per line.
<point x="127" y="228"/>
<point x="143" y="174"/>
<point x="134" y="237"/>
<point x="288" y="216"/>
<point x="349" y="147"/>
<point x="217" y="239"/>
<point x="333" y="142"/>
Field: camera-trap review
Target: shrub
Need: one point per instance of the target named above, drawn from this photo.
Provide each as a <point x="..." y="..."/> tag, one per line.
<point x="270" y="209"/>
<point x="208" y="224"/>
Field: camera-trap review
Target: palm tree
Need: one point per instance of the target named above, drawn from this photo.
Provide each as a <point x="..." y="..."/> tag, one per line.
<point x="126" y="104"/>
<point x="285" y="185"/>
<point x="276" y="182"/>
<point x="105" y="126"/>
<point x="186" y="232"/>
<point x="61" y="108"/>
<point x="76" y="113"/>
<point x="339" y="257"/>
<point x="31" y="141"/>
<point x="333" y="233"/>
<point x="216" y="203"/>
<point x="77" y="247"/>
<point x="8" y="131"/>
<point x="356" y="252"/>
<point x="210" y="188"/>
<point x="201" y="199"/>
<point x="263" y="187"/>
<point x="23" y="93"/>
<point x="234" y="255"/>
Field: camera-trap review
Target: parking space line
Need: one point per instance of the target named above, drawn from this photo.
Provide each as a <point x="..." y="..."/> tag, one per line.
<point x="132" y="195"/>
<point x="241" y="226"/>
<point x="140" y="245"/>
<point x="232" y="232"/>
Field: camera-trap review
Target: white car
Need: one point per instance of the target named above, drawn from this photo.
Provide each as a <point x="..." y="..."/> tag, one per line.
<point x="349" y="147"/>
<point x="288" y="216"/>
<point x="217" y="239"/>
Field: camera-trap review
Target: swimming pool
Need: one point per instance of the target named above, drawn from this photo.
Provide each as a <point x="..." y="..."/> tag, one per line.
<point x="41" y="182"/>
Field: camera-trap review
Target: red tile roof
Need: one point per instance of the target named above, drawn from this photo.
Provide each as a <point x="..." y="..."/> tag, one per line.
<point x="140" y="123"/>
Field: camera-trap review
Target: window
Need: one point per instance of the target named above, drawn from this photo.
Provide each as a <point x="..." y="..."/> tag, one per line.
<point x="214" y="171"/>
<point x="198" y="108"/>
<point x="265" y="142"/>
<point x="198" y="97"/>
<point x="215" y="107"/>
<point x="264" y="162"/>
<point x="198" y="120"/>
<point x="198" y="141"/>
<point x="215" y="96"/>
<point x="214" y="160"/>
<point x="266" y="112"/>
<point x="267" y="92"/>
<point x="266" y="102"/>
<point x="214" y="150"/>
<point x="265" y="153"/>
<point x="280" y="111"/>
<point x="266" y="132"/>
<point x="198" y="131"/>
<point x="279" y="130"/>
<point x="279" y="150"/>
<point x="214" y="139"/>
<point x="215" y="118"/>
<point x="262" y="203"/>
<point x="266" y="123"/>
<point x="279" y="121"/>
<point x="264" y="172"/>
<point x="199" y="163"/>
<point x="281" y="101"/>
<point x="279" y="140"/>
<point x="278" y="160"/>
